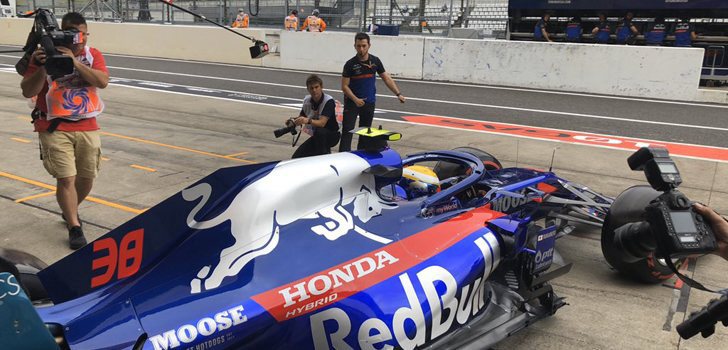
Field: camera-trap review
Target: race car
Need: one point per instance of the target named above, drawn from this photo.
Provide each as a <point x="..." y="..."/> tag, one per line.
<point x="364" y="249"/>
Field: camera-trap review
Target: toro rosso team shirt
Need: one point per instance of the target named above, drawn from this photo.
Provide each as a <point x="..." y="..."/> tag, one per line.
<point x="362" y="75"/>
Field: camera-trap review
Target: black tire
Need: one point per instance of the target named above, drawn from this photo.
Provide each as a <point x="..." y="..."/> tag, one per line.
<point x="629" y="207"/>
<point x="24" y="267"/>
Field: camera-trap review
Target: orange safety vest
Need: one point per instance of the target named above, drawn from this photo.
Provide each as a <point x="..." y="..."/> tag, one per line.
<point x="72" y="97"/>
<point x="241" y="21"/>
<point x="291" y="23"/>
<point x="315" y="24"/>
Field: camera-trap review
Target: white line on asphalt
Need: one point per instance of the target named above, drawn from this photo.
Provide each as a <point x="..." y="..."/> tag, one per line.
<point x="430" y="82"/>
<point x="494" y="87"/>
<point x="581" y="115"/>
<point x="288" y="106"/>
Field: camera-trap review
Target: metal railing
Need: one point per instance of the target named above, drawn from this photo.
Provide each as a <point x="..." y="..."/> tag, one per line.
<point x="414" y="16"/>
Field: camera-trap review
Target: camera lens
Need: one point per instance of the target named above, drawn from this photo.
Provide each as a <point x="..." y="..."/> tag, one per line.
<point x="634" y="240"/>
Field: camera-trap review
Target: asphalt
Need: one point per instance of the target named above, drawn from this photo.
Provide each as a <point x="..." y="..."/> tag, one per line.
<point x="157" y="142"/>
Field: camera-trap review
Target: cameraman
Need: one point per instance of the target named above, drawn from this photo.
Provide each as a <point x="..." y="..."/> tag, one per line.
<point x="719" y="226"/>
<point x="318" y="115"/>
<point x="65" y="119"/>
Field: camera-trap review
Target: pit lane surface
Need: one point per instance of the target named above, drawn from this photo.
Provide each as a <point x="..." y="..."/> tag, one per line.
<point x="156" y="143"/>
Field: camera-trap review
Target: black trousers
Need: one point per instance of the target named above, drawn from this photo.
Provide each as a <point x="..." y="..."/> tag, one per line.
<point x="351" y="111"/>
<point x="320" y="143"/>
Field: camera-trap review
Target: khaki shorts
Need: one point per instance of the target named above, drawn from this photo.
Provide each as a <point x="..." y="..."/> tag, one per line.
<point x="71" y="153"/>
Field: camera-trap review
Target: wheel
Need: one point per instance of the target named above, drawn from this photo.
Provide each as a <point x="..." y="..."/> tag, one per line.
<point x="24" y="267"/>
<point x="629" y="207"/>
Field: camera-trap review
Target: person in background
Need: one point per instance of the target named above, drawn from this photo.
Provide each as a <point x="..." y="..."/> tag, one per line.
<point x="574" y="30"/>
<point x="602" y="31"/>
<point x="291" y="21"/>
<point x="540" y="31"/>
<point x="627" y="32"/>
<point x="313" y="23"/>
<point x="656" y="32"/>
<point x="241" y="20"/>
<point x="318" y="117"/>
<point x="684" y="33"/>
<point x="358" y="83"/>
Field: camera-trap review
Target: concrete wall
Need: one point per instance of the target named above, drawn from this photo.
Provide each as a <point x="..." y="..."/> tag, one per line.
<point x="657" y="72"/>
<point x="199" y="43"/>
<point x="653" y="72"/>
<point x="328" y="51"/>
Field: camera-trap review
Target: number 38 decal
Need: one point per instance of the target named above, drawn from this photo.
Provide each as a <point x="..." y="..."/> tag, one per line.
<point x="122" y="260"/>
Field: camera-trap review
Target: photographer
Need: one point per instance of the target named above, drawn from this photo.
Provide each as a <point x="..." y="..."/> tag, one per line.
<point x="719" y="226"/>
<point x="318" y="116"/>
<point x="65" y="119"/>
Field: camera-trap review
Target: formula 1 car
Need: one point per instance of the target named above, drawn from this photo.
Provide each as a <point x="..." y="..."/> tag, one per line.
<point x="363" y="249"/>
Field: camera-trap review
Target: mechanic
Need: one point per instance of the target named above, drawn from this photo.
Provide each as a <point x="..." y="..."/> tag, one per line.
<point x="358" y="82"/>
<point x="626" y="32"/>
<point x="540" y="31"/>
<point x="291" y="21"/>
<point x="314" y="23"/>
<point x="684" y="33"/>
<point x="242" y="20"/>
<point x="574" y="30"/>
<point x="319" y="120"/>
<point x="66" y="126"/>
<point x="656" y="32"/>
<point x="602" y="31"/>
<point x="719" y="225"/>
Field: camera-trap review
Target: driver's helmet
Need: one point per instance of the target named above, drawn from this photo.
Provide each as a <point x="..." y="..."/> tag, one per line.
<point x="418" y="181"/>
<point x="315" y="12"/>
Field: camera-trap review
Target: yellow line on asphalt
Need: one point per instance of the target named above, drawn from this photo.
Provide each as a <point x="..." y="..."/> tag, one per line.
<point x="44" y="194"/>
<point x="114" y="205"/>
<point x="105" y="159"/>
<point x="28" y="181"/>
<point x="26" y="118"/>
<point x="20" y="139"/>
<point x="175" y="147"/>
<point x="143" y="168"/>
<point x="89" y="198"/>
<point x="236" y="154"/>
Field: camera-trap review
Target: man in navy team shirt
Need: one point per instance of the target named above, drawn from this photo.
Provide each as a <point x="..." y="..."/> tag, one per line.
<point x="358" y="82"/>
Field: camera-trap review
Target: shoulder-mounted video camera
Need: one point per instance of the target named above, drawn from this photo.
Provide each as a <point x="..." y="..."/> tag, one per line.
<point x="672" y="228"/>
<point x="46" y="32"/>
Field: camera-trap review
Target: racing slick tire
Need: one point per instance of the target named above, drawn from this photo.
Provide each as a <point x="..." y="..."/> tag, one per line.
<point x="629" y="207"/>
<point x="25" y="268"/>
<point x="490" y="161"/>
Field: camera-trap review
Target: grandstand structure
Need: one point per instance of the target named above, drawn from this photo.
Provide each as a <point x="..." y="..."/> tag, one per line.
<point x="490" y="17"/>
<point x="486" y="16"/>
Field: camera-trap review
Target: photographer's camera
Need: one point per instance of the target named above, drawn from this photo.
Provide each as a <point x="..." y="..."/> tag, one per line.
<point x="672" y="228"/>
<point x="290" y="128"/>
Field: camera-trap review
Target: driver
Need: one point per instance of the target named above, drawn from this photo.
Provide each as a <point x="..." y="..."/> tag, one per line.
<point x="418" y="181"/>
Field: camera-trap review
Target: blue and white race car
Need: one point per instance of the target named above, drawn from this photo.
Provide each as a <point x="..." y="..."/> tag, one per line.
<point x="356" y="250"/>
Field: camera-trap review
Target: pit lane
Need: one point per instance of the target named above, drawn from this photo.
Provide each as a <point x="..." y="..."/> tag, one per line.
<point x="156" y="142"/>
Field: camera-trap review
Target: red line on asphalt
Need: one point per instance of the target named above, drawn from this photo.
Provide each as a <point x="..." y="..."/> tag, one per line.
<point x="574" y="137"/>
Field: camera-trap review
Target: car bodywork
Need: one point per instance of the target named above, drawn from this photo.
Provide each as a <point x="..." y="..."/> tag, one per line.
<point x="321" y="253"/>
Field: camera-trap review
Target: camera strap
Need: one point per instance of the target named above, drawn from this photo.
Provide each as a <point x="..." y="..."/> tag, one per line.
<point x="689" y="281"/>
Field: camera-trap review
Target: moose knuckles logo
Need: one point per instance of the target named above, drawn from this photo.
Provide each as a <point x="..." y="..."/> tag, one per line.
<point x="258" y="211"/>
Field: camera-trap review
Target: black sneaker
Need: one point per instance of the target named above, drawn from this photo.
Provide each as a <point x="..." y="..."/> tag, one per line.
<point x="80" y="223"/>
<point x="75" y="237"/>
